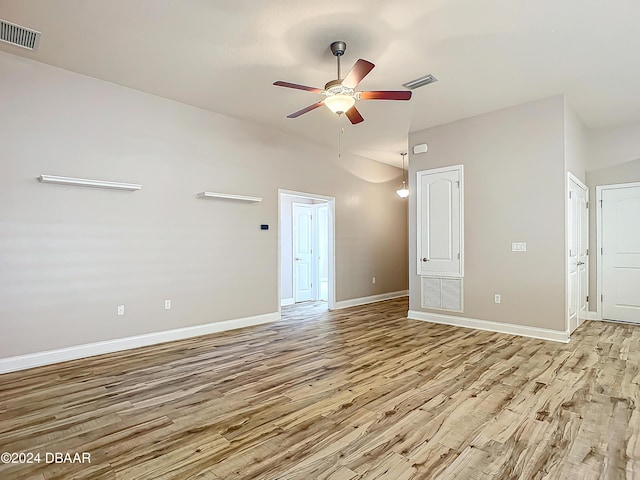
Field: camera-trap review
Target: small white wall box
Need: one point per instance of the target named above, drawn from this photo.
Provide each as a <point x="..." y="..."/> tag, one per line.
<point x="422" y="148"/>
<point x="519" y="247"/>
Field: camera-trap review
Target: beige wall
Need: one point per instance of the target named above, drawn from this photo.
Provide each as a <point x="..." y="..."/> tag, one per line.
<point x="69" y="255"/>
<point x="514" y="176"/>
<point x="613" y="145"/>
<point x="575" y="144"/>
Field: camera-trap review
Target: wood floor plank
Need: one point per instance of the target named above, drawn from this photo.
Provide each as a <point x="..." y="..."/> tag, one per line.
<point x="359" y="393"/>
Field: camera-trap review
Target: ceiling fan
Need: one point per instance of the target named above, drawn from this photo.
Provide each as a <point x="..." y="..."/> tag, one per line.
<point x="340" y="93"/>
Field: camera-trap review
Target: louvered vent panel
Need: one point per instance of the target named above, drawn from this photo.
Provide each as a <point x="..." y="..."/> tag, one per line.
<point x="431" y="292"/>
<point x="442" y="293"/>
<point x="19" y="36"/>
<point x="452" y="293"/>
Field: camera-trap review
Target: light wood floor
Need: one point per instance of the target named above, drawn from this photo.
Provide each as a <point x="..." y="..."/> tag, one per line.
<point x="361" y="393"/>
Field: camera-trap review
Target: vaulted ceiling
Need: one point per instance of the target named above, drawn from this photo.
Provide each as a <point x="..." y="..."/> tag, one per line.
<point x="224" y="55"/>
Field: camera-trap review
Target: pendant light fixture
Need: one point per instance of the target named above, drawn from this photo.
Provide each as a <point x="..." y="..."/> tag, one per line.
<point x="403" y="192"/>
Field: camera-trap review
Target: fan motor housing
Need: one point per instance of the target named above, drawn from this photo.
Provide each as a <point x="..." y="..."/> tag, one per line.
<point x="338" y="48"/>
<point x="335" y="87"/>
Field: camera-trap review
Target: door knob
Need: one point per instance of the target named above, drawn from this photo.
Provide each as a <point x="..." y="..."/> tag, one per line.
<point x="298" y="258"/>
<point x="425" y="259"/>
<point x="580" y="263"/>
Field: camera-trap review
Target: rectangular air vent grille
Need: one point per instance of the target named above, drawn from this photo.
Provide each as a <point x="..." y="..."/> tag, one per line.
<point x="420" y="82"/>
<point x="442" y="293"/>
<point x="19" y="36"/>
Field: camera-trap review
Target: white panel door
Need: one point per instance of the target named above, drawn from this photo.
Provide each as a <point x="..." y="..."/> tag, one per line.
<point x="439" y="210"/>
<point x="302" y="252"/>
<point x="578" y="233"/>
<point x="621" y="254"/>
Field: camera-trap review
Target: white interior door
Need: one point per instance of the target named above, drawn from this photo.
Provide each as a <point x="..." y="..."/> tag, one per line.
<point x="302" y="252"/>
<point x="621" y="254"/>
<point x="440" y="222"/>
<point x="578" y="233"/>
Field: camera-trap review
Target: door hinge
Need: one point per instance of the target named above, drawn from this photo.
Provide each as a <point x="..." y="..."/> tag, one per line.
<point x="569" y="193"/>
<point x="458" y="184"/>
<point x="587" y="298"/>
<point x="601" y="252"/>
<point x="587" y="204"/>
<point x="458" y="256"/>
<point x="602" y="298"/>
<point x="587" y="251"/>
<point x="600" y="203"/>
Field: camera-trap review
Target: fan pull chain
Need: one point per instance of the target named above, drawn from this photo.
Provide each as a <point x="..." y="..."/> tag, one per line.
<point x="340" y="133"/>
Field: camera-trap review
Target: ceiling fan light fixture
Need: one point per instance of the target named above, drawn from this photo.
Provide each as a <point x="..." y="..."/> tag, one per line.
<point x="339" y="103"/>
<point x="403" y="192"/>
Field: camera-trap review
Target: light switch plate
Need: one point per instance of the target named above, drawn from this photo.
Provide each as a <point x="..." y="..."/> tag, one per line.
<point x="519" y="247"/>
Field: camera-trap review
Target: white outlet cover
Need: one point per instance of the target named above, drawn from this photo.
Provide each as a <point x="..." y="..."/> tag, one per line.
<point x="519" y="247"/>
<point x="120" y="310"/>
<point x="167" y="304"/>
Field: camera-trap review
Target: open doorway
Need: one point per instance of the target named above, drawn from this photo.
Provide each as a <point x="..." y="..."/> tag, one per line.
<point x="306" y="248"/>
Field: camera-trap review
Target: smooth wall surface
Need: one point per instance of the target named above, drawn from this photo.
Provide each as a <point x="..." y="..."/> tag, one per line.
<point x="575" y="144"/>
<point x="70" y="255"/>
<point x="514" y="176"/>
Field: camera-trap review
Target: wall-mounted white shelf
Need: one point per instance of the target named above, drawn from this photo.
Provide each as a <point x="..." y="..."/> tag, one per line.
<point x="242" y="198"/>
<point x="85" y="182"/>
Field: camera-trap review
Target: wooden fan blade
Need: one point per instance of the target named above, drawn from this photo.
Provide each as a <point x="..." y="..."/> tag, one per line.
<point x="354" y="115"/>
<point x="305" y="110"/>
<point x="386" y="95"/>
<point x="299" y="87"/>
<point x="357" y="73"/>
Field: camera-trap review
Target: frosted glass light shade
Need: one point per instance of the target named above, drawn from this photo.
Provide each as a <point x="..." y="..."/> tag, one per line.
<point x="339" y="103"/>
<point x="403" y="192"/>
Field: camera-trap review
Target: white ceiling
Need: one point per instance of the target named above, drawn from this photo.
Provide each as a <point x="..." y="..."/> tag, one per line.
<point x="224" y="55"/>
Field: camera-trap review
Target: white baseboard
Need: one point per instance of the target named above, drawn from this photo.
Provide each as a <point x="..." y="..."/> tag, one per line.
<point x="592" y="316"/>
<point x="287" y="301"/>
<point x="22" y="362"/>
<point x="372" y="299"/>
<point x="509" y="328"/>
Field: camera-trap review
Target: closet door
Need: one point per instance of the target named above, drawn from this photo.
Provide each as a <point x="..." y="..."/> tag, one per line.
<point x="440" y="222"/>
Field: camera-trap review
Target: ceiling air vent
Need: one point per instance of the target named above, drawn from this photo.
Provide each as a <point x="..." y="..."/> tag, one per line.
<point x="19" y="36"/>
<point x="420" y="82"/>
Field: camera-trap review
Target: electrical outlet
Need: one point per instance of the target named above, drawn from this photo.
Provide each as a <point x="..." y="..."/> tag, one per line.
<point x="519" y="247"/>
<point x="167" y="304"/>
<point x="497" y="298"/>
<point x="120" y="310"/>
<point x="373" y="280"/>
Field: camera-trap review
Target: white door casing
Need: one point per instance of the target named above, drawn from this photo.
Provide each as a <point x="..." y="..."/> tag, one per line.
<point x="321" y="223"/>
<point x="302" y="252"/>
<point x="578" y="245"/>
<point x="620" y="254"/>
<point x="440" y="222"/>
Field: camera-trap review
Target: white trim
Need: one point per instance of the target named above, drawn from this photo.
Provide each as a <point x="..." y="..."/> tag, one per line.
<point x="22" y="362"/>
<point x="572" y="178"/>
<point x="508" y="328"/>
<point x="593" y="316"/>
<point x="85" y="182"/>
<point x="228" y="196"/>
<point x="598" y="206"/>
<point x="371" y="299"/>
<point x="287" y="301"/>
<point x="331" y="205"/>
